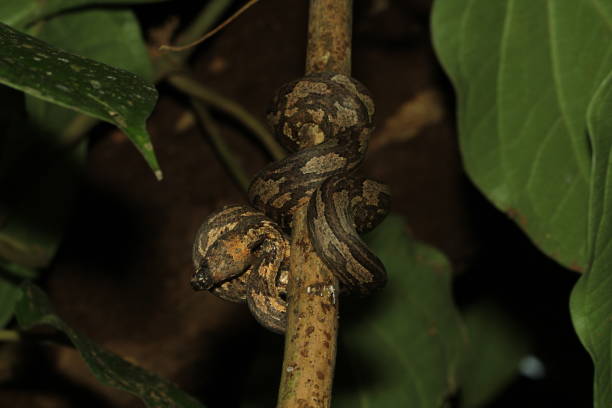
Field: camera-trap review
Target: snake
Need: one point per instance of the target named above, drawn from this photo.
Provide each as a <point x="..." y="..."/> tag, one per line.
<point x="241" y="252"/>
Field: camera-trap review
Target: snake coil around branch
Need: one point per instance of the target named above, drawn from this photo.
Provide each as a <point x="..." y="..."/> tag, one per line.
<point x="242" y="253"/>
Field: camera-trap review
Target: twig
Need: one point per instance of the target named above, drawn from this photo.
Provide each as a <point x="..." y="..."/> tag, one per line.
<point x="212" y="32"/>
<point x="165" y="63"/>
<point x="312" y="317"/>
<point x="219" y="144"/>
<point x="195" y="89"/>
<point x="202" y="23"/>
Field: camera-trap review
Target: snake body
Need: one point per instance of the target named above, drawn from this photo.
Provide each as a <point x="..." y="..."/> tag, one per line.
<point x="241" y="253"/>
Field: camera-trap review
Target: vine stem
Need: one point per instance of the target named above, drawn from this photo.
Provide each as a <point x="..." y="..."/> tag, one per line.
<point x="193" y="88"/>
<point x="191" y="44"/>
<point x="312" y="293"/>
<point x="227" y="156"/>
<point x="203" y="22"/>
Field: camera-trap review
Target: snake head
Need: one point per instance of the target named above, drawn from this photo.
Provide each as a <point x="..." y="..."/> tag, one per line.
<point x="220" y="260"/>
<point x="201" y="279"/>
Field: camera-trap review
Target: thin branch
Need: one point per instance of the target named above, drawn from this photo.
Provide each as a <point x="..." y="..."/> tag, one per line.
<point x="227" y="157"/>
<point x="195" y="89"/>
<point x="329" y="36"/>
<point x="166" y="63"/>
<point x="204" y="21"/>
<point x="212" y="32"/>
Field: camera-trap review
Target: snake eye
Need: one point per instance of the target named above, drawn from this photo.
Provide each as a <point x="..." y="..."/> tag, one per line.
<point x="201" y="279"/>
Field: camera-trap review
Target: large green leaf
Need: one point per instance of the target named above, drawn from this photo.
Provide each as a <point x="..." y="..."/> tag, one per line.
<point x="110" y="36"/>
<point x="591" y="300"/>
<point x="35" y="180"/>
<point x="524" y="72"/>
<point x="18" y="13"/>
<point x="110" y="94"/>
<point x="32" y="232"/>
<point x="413" y="339"/>
<point x="34" y="309"/>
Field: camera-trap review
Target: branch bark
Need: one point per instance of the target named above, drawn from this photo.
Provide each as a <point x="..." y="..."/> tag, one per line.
<point x="312" y="325"/>
<point x="312" y="293"/>
<point x="330" y="26"/>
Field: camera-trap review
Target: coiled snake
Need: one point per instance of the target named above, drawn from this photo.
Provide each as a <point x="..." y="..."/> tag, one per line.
<point x="242" y="253"/>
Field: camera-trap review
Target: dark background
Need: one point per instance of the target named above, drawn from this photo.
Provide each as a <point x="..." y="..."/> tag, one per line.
<point x="122" y="273"/>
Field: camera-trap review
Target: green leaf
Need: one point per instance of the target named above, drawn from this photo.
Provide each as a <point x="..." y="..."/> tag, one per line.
<point x="110" y="36"/>
<point x="34" y="309"/>
<point x="35" y="168"/>
<point x="33" y="232"/>
<point x="113" y="95"/>
<point x="524" y="72"/>
<point x="9" y="295"/>
<point x="414" y="338"/>
<point x="497" y="344"/>
<point x="22" y="12"/>
<point x="591" y="300"/>
<point x="17" y="13"/>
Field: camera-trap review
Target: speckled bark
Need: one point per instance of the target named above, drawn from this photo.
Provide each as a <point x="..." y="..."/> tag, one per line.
<point x="329" y="36"/>
<point x="312" y="325"/>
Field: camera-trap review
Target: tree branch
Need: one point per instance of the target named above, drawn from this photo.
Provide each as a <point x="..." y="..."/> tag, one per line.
<point x="312" y="311"/>
<point x="329" y="36"/>
<point x="195" y="89"/>
<point x="312" y="325"/>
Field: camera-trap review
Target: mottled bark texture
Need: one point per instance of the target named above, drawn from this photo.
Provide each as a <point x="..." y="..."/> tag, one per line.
<point x="312" y="324"/>
<point x="329" y="36"/>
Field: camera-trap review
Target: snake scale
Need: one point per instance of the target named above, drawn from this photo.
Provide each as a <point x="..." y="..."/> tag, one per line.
<point x="241" y="253"/>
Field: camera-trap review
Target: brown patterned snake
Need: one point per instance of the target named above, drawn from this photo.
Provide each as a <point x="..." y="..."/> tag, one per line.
<point x="242" y="254"/>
